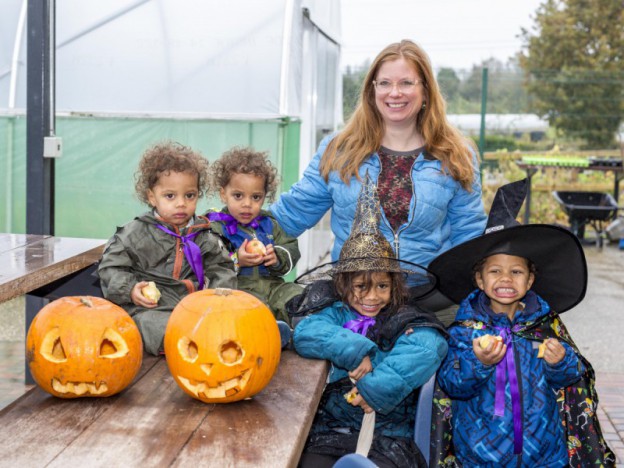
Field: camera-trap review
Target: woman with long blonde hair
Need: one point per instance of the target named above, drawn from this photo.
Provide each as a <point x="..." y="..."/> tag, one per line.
<point x="426" y="172"/>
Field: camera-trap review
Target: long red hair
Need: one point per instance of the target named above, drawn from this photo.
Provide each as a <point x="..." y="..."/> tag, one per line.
<point x="364" y="131"/>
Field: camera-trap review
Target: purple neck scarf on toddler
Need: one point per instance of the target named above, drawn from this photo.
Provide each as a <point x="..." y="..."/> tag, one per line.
<point x="192" y="252"/>
<point x="231" y="225"/>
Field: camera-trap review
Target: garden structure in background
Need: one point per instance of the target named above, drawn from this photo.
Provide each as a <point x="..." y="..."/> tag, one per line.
<point x="597" y="172"/>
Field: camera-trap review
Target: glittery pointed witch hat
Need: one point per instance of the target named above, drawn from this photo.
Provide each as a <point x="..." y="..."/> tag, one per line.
<point x="366" y="249"/>
<point x="561" y="269"/>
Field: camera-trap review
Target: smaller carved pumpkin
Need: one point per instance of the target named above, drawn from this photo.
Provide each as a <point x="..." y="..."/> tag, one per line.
<point x="83" y="346"/>
<point x="222" y="345"/>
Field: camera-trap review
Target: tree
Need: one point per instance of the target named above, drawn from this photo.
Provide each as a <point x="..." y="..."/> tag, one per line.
<point x="351" y="86"/>
<point x="575" y="64"/>
<point x="506" y="94"/>
<point x="449" y="83"/>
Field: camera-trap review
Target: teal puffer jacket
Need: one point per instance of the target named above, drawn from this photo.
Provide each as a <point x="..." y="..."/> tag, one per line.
<point x="389" y="388"/>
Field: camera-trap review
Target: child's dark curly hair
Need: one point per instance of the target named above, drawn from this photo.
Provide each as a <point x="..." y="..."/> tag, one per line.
<point x="165" y="157"/>
<point x="239" y="160"/>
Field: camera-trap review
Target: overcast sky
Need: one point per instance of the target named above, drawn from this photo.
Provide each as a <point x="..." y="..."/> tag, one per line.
<point x="455" y="33"/>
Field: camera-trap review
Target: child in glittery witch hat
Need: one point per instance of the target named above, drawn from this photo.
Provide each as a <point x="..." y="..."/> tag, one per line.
<point x="381" y="350"/>
<point x="522" y="394"/>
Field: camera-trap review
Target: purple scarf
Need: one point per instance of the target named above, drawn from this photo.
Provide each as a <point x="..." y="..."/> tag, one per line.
<point x="230" y="223"/>
<point x="360" y="325"/>
<point x="506" y="370"/>
<point x="192" y="252"/>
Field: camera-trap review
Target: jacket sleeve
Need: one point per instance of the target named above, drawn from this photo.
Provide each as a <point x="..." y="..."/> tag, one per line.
<point x="566" y="372"/>
<point x="462" y="374"/>
<point x="321" y="336"/>
<point x="219" y="268"/>
<point x="411" y="362"/>
<point x="466" y="213"/>
<point x="307" y="200"/>
<point x="286" y="249"/>
<point x="116" y="272"/>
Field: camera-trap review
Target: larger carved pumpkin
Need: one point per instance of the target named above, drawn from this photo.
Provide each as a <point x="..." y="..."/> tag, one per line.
<point x="222" y="345"/>
<point x="83" y="347"/>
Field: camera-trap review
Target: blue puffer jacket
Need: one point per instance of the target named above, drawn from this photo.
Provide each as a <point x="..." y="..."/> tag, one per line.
<point x="396" y="373"/>
<point x="482" y="439"/>
<point x="441" y="214"/>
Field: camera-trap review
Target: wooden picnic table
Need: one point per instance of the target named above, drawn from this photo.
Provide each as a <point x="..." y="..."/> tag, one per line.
<point x="154" y="423"/>
<point x="29" y="262"/>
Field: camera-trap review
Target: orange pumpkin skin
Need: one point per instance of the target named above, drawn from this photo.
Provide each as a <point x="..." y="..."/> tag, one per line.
<point x="222" y="345"/>
<point x="83" y="347"/>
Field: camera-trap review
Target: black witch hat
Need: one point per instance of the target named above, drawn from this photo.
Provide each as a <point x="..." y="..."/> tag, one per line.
<point x="561" y="276"/>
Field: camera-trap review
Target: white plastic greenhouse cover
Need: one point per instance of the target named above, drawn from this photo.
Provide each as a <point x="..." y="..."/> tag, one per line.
<point x="235" y="59"/>
<point x="238" y="57"/>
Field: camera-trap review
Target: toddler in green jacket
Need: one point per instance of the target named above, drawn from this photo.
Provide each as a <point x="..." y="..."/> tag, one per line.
<point x="169" y="245"/>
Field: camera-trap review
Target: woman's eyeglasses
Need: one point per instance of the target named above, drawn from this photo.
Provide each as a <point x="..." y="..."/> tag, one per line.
<point x="404" y="86"/>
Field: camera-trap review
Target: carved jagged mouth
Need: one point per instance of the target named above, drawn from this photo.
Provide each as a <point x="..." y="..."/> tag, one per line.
<point x="79" y="388"/>
<point x="223" y="389"/>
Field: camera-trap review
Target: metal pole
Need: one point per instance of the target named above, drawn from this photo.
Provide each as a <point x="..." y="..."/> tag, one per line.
<point x="40" y="119"/>
<point x="484" y="87"/>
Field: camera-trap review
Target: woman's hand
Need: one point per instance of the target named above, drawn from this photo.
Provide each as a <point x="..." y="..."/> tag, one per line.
<point x="492" y="354"/>
<point x="137" y="297"/>
<point x="362" y="369"/>
<point x="554" y="351"/>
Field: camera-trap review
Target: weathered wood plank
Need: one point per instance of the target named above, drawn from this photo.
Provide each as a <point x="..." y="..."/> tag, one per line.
<point x="30" y="262"/>
<point x="155" y="423"/>
<point x="147" y="427"/>
<point x="17" y="241"/>
<point x="37" y="427"/>
<point x="269" y="430"/>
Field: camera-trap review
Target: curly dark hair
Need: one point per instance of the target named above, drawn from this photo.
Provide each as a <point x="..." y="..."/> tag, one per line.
<point x="245" y="160"/>
<point x="343" y="282"/>
<point x="165" y="157"/>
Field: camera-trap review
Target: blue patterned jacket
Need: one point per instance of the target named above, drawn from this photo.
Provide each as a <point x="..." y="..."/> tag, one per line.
<point x="482" y="439"/>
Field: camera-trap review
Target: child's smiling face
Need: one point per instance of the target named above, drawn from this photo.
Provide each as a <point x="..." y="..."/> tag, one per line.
<point x="175" y="197"/>
<point x="505" y="279"/>
<point x="244" y="196"/>
<point x="370" y="299"/>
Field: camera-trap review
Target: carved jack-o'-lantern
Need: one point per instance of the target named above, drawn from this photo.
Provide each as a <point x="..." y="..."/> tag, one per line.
<point x="222" y="345"/>
<point x="83" y="347"/>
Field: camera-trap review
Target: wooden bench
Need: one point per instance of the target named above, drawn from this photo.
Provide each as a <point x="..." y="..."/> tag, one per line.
<point x="154" y="423"/>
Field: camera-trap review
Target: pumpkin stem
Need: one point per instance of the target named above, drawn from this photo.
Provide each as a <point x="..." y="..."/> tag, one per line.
<point x="86" y="301"/>
<point x="223" y="292"/>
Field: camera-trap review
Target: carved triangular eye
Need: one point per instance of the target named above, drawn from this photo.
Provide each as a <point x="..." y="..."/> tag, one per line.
<point x="112" y="345"/>
<point x="188" y="349"/>
<point x="52" y="348"/>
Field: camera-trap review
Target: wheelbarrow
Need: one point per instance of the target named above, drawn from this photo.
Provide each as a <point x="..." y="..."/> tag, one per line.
<point x="582" y="208"/>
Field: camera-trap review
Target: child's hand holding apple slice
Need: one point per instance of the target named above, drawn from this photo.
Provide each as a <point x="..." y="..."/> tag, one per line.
<point x="253" y="253"/>
<point x="255" y="246"/>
